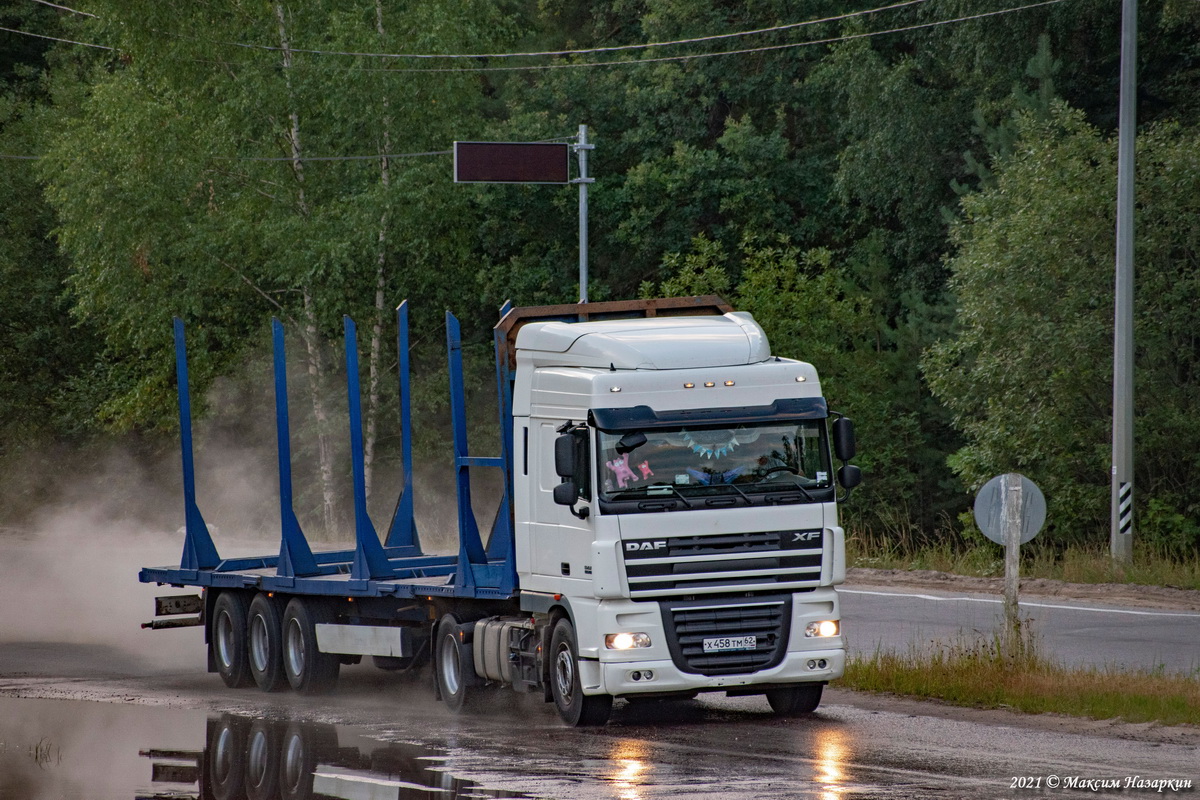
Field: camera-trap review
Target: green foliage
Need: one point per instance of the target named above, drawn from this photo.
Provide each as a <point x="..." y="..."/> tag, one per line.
<point x="1028" y="371"/>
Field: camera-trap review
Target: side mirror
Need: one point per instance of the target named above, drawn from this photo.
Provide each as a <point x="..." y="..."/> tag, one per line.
<point x="565" y="457"/>
<point x="849" y="476"/>
<point x="566" y="493"/>
<point x="844" y="446"/>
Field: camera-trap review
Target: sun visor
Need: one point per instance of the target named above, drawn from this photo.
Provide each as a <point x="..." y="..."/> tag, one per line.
<point x="611" y="420"/>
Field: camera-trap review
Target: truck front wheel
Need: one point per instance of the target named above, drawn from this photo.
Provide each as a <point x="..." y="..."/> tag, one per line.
<point x="308" y="670"/>
<point x="228" y="639"/>
<point x="455" y="671"/>
<point x="576" y="708"/>
<point x="795" y="701"/>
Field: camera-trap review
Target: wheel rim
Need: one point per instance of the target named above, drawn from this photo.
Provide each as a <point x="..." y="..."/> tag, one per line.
<point x="564" y="673"/>
<point x="295" y="648"/>
<point x="225" y="639"/>
<point x="293" y="762"/>
<point x="223" y="756"/>
<point x="448" y="664"/>
<point x="257" y="758"/>
<point x="258" y="642"/>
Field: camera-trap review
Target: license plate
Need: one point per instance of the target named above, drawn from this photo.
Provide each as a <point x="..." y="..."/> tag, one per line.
<point x="722" y="643"/>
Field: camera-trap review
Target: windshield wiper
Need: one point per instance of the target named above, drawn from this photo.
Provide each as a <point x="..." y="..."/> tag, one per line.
<point x="645" y="491"/>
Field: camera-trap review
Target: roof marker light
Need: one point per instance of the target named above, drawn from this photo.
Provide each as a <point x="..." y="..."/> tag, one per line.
<point x="689" y="386"/>
<point x="615" y="389"/>
<point x="729" y="383"/>
<point x="709" y="384"/>
<point x="800" y="379"/>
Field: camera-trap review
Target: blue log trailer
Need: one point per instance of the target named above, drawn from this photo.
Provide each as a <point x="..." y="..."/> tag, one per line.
<point x="667" y="526"/>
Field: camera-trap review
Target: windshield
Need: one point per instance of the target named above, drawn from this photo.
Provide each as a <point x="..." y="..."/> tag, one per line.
<point x="706" y="462"/>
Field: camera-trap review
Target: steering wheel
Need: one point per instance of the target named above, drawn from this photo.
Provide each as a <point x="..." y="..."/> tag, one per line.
<point x="773" y="470"/>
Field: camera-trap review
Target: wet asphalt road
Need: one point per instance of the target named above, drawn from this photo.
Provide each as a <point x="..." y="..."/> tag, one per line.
<point x="714" y="747"/>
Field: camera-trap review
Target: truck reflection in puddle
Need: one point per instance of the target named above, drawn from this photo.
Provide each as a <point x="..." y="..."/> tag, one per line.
<point x="254" y="759"/>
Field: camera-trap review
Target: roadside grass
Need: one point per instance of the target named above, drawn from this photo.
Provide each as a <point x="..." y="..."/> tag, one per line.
<point x="1008" y="672"/>
<point x="900" y="549"/>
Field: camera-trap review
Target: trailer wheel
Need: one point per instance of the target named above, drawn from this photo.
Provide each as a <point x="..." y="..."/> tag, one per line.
<point x="576" y="708"/>
<point x="262" y="761"/>
<point x="795" y="701"/>
<point x="455" y="671"/>
<point x="225" y="759"/>
<point x="304" y="746"/>
<point x="308" y="670"/>
<point x="228" y="639"/>
<point x="265" y="640"/>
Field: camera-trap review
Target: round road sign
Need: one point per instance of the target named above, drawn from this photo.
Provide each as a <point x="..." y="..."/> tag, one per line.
<point x="989" y="508"/>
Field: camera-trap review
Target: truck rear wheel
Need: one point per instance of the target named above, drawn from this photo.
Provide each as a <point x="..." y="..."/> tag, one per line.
<point x="262" y="761"/>
<point x="226" y="758"/>
<point x="455" y="671"/>
<point x="308" y="670"/>
<point x="228" y="639"/>
<point x="265" y="637"/>
<point x="576" y="708"/>
<point x="795" y="701"/>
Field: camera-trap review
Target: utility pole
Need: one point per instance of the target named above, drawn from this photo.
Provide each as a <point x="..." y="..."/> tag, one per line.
<point x="1121" y="537"/>
<point x="581" y="148"/>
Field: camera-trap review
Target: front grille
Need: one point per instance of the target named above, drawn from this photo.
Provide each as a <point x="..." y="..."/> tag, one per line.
<point x="756" y="561"/>
<point x="688" y="623"/>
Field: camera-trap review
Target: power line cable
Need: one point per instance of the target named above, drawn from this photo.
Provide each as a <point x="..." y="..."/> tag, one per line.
<point x="65" y="8"/>
<point x="688" y="57"/>
<point x="56" y="39"/>
<point x="584" y="51"/>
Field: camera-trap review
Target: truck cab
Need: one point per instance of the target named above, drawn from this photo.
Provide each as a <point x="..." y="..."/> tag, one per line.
<point x="674" y="497"/>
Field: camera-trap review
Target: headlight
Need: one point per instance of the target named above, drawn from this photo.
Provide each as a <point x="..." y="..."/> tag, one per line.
<point x="822" y="629"/>
<point x="626" y="641"/>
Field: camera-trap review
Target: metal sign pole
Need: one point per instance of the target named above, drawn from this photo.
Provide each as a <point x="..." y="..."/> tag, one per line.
<point x="581" y="148"/>
<point x="1121" y="536"/>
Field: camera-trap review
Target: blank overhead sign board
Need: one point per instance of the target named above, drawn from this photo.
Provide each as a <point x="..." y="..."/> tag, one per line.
<point x="510" y="162"/>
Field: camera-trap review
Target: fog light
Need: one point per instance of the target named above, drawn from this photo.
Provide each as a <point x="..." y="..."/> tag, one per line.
<point x="635" y="675"/>
<point x="648" y="675"/>
<point x="812" y="664"/>
<point x="626" y="641"/>
<point x="824" y="628"/>
<point x="822" y="663"/>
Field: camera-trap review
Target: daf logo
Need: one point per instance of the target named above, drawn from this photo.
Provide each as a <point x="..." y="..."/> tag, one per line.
<point x="805" y="536"/>
<point x="631" y="547"/>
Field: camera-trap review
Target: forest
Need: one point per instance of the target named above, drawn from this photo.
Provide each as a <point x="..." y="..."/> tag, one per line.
<point x="917" y="197"/>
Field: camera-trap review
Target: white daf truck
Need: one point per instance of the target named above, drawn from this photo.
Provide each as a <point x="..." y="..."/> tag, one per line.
<point x="669" y="526"/>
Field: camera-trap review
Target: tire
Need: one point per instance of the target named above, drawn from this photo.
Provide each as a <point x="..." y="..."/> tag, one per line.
<point x="262" y="761"/>
<point x="227" y="638"/>
<point x="457" y="682"/>
<point x="303" y="747"/>
<point x="575" y="708"/>
<point x="308" y="670"/>
<point x="225" y="759"/>
<point x="264" y="636"/>
<point x="795" y="701"/>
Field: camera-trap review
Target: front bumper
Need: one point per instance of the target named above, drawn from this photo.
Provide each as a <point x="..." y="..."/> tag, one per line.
<point x="618" y="678"/>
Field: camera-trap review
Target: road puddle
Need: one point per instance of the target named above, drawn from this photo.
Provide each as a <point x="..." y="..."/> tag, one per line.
<point x="74" y="750"/>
